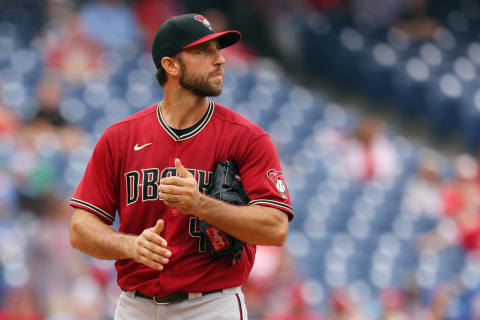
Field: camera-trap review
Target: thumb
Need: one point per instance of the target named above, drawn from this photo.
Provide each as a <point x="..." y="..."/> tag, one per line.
<point x="159" y="226"/>
<point x="181" y="171"/>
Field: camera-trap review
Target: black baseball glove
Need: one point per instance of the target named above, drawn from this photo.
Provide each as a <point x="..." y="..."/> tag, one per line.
<point x="225" y="186"/>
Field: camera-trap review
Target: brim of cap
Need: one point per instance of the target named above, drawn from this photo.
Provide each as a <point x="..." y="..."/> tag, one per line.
<point x="225" y="38"/>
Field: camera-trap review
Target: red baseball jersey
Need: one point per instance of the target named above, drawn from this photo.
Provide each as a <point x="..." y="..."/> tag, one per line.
<point x="123" y="176"/>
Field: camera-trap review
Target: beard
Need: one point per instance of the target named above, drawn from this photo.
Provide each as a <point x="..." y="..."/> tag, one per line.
<point x="199" y="85"/>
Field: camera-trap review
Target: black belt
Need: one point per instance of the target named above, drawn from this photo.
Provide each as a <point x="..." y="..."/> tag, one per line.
<point x="171" y="298"/>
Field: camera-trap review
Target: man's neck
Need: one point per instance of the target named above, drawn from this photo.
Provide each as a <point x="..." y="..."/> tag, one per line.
<point x="182" y="109"/>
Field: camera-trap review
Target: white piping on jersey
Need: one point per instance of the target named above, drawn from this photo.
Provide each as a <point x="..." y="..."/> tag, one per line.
<point x="94" y="208"/>
<point x="284" y="206"/>
<point x="186" y="136"/>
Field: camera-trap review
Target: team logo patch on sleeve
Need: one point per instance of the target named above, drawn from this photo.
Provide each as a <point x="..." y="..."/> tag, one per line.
<point x="277" y="178"/>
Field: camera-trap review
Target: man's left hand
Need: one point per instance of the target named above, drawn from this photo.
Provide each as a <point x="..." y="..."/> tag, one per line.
<point x="181" y="191"/>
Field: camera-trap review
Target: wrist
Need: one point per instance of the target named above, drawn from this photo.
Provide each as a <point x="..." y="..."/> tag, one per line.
<point x="128" y="246"/>
<point x="201" y="204"/>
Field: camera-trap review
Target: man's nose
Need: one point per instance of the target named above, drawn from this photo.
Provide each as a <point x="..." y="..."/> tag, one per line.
<point x="220" y="59"/>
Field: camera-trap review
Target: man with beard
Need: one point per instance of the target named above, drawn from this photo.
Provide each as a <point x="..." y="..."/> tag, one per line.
<point x="139" y="169"/>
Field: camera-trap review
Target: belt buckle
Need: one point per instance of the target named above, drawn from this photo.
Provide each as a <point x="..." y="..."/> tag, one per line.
<point x="158" y="302"/>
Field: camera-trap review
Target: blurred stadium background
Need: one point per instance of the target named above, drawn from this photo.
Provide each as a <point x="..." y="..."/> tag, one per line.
<point x="374" y="107"/>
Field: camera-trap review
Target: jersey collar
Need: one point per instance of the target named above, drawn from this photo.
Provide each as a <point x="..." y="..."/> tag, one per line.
<point x="171" y="133"/>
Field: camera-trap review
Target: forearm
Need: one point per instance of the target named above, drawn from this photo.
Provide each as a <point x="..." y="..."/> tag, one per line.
<point x="252" y="224"/>
<point x="93" y="237"/>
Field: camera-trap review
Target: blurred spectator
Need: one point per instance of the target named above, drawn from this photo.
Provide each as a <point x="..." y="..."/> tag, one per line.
<point x="298" y="308"/>
<point x="58" y="12"/>
<point x="376" y="14"/>
<point x="65" y="280"/>
<point x="28" y="16"/>
<point x="285" y="22"/>
<point x="411" y="16"/>
<point x="262" y="279"/>
<point x="19" y="304"/>
<point x="274" y="290"/>
<point x="461" y="198"/>
<point x="49" y="96"/>
<point x="415" y="303"/>
<point x="70" y="138"/>
<point x="422" y="195"/>
<point x="151" y="14"/>
<point x="329" y="5"/>
<point x="393" y="303"/>
<point x="8" y="121"/>
<point x="248" y="16"/>
<point x="342" y="306"/>
<point x="71" y="54"/>
<point x="111" y="23"/>
<point x="415" y="20"/>
<point x="32" y="172"/>
<point x="237" y="55"/>
<point x="369" y="154"/>
<point x="444" y="303"/>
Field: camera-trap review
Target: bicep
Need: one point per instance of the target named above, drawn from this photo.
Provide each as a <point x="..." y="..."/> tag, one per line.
<point x="276" y="216"/>
<point x="276" y="224"/>
<point x="81" y="216"/>
<point x="84" y="222"/>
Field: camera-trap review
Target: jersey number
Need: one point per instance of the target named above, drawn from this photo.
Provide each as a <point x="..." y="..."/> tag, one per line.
<point x="194" y="230"/>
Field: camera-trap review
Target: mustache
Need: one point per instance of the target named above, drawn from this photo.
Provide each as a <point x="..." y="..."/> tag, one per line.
<point x="215" y="72"/>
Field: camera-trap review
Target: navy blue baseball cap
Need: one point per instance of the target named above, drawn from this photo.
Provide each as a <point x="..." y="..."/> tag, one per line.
<point x="186" y="31"/>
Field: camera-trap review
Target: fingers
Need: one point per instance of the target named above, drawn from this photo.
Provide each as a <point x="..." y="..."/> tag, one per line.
<point x="183" y="178"/>
<point x="149" y="262"/>
<point x="173" y="181"/>
<point x="152" y="255"/>
<point x="150" y="247"/>
<point x="181" y="171"/>
<point x="170" y="198"/>
<point x="148" y="236"/>
<point x="158" y="227"/>
<point x="170" y="189"/>
<point x="174" y="189"/>
<point x="180" y="191"/>
<point x="170" y="193"/>
<point x="149" y="255"/>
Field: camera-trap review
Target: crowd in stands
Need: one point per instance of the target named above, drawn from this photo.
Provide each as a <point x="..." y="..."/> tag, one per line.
<point x="384" y="228"/>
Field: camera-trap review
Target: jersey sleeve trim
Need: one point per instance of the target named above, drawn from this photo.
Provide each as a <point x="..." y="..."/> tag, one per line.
<point x="92" y="208"/>
<point x="276" y="204"/>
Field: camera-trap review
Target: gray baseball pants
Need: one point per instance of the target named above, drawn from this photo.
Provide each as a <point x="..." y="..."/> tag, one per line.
<point x="228" y="304"/>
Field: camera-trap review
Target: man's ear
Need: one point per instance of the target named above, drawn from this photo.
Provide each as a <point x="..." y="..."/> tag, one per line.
<point x="171" y="66"/>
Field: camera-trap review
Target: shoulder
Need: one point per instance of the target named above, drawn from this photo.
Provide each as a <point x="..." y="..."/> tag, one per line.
<point x="236" y="121"/>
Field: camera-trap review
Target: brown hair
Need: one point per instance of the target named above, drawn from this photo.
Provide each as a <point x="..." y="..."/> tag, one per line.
<point x="161" y="74"/>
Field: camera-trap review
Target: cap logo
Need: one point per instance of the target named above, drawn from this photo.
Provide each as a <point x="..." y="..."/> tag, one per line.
<point x="204" y="20"/>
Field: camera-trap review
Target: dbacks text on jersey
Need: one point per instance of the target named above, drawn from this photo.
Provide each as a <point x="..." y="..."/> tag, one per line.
<point x="143" y="184"/>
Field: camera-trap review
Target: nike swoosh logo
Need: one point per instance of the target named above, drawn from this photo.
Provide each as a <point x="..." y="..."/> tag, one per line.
<point x="136" y="147"/>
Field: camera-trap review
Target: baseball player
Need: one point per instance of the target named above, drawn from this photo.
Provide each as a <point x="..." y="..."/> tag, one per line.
<point x="154" y="169"/>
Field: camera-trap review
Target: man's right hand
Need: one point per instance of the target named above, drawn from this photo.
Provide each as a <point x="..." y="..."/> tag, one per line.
<point x="149" y="248"/>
